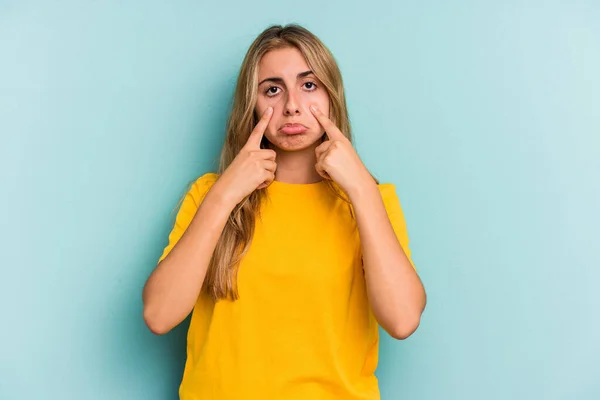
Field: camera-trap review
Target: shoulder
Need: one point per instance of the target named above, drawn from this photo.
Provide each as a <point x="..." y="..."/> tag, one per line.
<point x="388" y="191"/>
<point x="390" y="197"/>
<point x="207" y="179"/>
<point x="201" y="185"/>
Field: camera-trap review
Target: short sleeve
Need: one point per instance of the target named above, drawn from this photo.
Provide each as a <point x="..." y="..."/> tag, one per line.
<point x="190" y="204"/>
<point x="396" y="216"/>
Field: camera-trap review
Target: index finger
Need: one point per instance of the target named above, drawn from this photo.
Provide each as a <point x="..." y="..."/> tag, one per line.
<point x="257" y="133"/>
<point x="332" y="131"/>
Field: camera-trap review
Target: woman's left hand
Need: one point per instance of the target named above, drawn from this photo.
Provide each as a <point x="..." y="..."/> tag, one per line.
<point x="337" y="160"/>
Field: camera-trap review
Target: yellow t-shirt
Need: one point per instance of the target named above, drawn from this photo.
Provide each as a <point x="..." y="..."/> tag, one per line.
<point x="302" y="327"/>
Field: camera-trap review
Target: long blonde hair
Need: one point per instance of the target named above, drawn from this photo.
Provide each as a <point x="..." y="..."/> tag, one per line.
<point x="221" y="277"/>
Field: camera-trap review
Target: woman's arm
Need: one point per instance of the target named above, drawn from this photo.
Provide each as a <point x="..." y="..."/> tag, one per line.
<point x="395" y="291"/>
<point x="173" y="288"/>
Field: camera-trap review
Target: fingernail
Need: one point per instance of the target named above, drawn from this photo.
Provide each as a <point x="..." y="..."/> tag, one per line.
<point x="269" y="110"/>
<point x="314" y="108"/>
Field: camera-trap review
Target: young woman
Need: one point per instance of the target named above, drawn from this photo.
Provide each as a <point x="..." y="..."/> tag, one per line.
<point x="292" y="255"/>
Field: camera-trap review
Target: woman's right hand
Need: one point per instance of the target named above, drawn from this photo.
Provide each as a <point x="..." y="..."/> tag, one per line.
<point x="253" y="168"/>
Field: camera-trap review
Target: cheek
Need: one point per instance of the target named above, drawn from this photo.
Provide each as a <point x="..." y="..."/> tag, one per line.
<point x="263" y="103"/>
<point x="325" y="105"/>
<point x="272" y="127"/>
<point x="260" y="108"/>
<point x="322" y="103"/>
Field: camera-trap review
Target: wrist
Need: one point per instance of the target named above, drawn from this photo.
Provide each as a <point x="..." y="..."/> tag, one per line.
<point x="221" y="197"/>
<point x="366" y="187"/>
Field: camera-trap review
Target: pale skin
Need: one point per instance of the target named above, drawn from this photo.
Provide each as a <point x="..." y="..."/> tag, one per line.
<point x="294" y="95"/>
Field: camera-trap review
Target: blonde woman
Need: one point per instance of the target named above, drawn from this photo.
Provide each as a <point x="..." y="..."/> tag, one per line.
<point x="292" y="255"/>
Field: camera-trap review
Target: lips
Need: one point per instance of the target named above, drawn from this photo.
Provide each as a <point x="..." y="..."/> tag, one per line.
<point x="292" y="129"/>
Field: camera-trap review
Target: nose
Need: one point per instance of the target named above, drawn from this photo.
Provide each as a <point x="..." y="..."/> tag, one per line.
<point x="292" y="106"/>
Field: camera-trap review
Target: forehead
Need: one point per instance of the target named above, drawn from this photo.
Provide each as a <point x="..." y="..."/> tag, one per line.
<point x="283" y="63"/>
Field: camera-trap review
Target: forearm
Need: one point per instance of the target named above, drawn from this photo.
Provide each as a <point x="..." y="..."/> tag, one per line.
<point x="174" y="286"/>
<point x="395" y="291"/>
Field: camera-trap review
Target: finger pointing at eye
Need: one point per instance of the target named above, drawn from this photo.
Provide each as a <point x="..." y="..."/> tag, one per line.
<point x="332" y="131"/>
<point x="257" y="133"/>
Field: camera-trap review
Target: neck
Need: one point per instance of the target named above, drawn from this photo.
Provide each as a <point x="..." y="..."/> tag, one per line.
<point x="297" y="166"/>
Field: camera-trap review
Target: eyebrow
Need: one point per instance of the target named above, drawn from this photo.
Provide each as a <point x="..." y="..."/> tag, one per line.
<point x="277" y="79"/>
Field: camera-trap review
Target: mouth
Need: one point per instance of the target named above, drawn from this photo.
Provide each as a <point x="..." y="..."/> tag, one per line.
<point x="293" y="129"/>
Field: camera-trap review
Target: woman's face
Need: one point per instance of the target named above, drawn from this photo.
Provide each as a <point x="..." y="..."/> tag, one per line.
<point x="286" y="83"/>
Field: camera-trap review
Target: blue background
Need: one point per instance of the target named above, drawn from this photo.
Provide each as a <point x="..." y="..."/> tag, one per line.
<point x="486" y="115"/>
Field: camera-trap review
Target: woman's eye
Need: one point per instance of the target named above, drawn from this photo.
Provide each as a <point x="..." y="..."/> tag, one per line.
<point x="271" y="91"/>
<point x="274" y="90"/>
